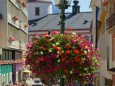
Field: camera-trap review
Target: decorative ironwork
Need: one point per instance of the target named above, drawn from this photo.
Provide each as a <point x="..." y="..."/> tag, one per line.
<point x="110" y="22"/>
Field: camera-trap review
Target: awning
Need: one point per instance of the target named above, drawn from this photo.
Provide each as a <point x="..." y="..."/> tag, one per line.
<point x="26" y="71"/>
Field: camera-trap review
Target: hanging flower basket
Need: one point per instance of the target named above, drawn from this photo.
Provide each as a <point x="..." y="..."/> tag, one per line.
<point x="10" y="39"/>
<point x="69" y="56"/>
<point x="15" y="17"/>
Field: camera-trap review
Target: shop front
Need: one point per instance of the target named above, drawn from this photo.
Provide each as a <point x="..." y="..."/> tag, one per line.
<point x="18" y="73"/>
<point x="5" y="74"/>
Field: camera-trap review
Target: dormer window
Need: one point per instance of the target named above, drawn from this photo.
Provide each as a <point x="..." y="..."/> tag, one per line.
<point x="37" y="11"/>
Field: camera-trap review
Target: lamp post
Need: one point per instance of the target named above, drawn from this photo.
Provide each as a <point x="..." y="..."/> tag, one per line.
<point x="62" y="5"/>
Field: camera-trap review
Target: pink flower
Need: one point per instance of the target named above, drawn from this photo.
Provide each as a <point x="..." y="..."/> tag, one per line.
<point x="11" y="38"/>
<point x="69" y="29"/>
<point x="29" y="45"/>
<point x="15" y="17"/>
<point x="55" y="32"/>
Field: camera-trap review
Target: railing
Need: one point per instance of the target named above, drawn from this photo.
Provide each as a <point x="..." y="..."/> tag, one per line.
<point x="110" y="22"/>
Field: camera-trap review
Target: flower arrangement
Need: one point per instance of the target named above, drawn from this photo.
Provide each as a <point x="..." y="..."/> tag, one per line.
<point x="26" y="25"/>
<point x="11" y="39"/>
<point x="24" y="4"/>
<point x="63" y="55"/>
<point x="15" y="17"/>
<point x="105" y="3"/>
<point x="18" y="1"/>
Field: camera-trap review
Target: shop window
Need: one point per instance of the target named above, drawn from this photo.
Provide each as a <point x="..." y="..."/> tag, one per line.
<point x="37" y="11"/>
<point x="108" y="82"/>
<point x="18" y="55"/>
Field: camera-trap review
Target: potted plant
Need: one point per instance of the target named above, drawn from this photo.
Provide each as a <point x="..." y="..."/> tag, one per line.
<point x="10" y="39"/>
<point x="18" y="1"/>
<point x="24" y="4"/>
<point x="15" y="17"/>
<point x="26" y="25"/>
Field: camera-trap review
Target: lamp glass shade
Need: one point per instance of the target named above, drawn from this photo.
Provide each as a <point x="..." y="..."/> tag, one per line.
<point x="62" y="2"/>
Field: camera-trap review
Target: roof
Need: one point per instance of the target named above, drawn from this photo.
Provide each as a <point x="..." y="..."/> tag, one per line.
<point x="52" y="21"/>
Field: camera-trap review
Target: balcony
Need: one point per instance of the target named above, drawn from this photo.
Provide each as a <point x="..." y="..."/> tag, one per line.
<point x="23" y="46"/>
<point x="110" y="24"/>
<point x="13" y="44"/>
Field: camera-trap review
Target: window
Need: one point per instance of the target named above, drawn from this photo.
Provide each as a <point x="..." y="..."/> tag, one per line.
<point x="37" y="11"/>
<point x="7" y="54"/>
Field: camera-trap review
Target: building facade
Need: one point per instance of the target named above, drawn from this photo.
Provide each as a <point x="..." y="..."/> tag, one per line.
<point x="14" y="36"/>
<point x="39" y="8"/>
<point x="110" y="29"/>
<point x="80" y="22"/>
<point x="105" y="42"/>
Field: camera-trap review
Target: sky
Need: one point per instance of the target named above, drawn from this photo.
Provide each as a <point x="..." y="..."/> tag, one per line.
<point x="84" y="6"/>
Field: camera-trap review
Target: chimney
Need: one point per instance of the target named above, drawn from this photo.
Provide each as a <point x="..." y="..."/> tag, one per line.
<point x="75" y="7"/>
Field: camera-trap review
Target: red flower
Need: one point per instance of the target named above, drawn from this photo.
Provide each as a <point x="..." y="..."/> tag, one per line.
<point x="41" y="59"/>
<point x="77" y="59"/>
<point x="63" y="59"/>
<point x="66" y="46"/>
<point x="76" y="51"/>
<point x="69" y="29"/>
<point x="67" y="52"/>
<point x="55" y="47"/>
<point x="59" y="49"/>
<point x="43" y="48"/>
<point x="66" y="56"/>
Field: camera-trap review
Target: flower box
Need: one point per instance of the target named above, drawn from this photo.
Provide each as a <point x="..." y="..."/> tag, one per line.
<point x="24" y="4"/>
<point x="26" y="25"/>
<point x="105" y="3"/>
<point x="18" y="1"/>
<point x="15" y="17"/>
<point x="10" y="39"/>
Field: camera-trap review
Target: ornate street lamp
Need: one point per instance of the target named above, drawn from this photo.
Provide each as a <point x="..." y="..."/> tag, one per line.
<point x="62" y="5"/>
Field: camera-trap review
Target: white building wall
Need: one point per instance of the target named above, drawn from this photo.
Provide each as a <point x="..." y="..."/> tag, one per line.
<point x="50" y="9"/>
<point x="3" y="23"/>
<point x="103" y="43"/>
<point x="45" y="9"/>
